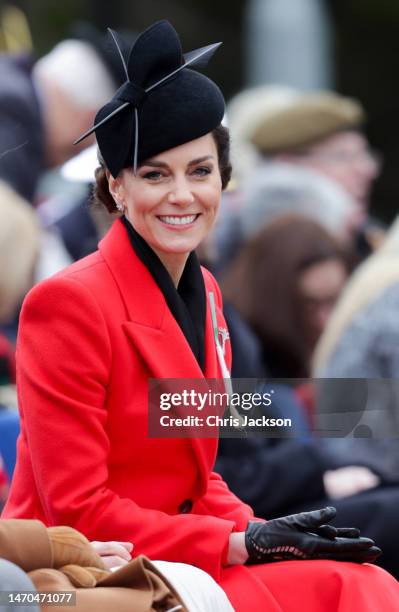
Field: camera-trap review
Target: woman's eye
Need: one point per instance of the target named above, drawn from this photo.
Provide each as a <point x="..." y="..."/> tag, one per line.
<point x="202" y="170"/>
<point x="153" y="175"/>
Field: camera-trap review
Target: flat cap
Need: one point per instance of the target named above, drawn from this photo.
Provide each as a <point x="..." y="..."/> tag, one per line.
<point x="301" y="119"/>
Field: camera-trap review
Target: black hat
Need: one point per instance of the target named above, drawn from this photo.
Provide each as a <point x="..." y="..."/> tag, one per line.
<point x="162" y="104"/>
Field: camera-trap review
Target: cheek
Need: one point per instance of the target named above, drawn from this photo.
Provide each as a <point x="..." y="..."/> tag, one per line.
<point x="211" y="196"/>
<point x="140" y="204"/>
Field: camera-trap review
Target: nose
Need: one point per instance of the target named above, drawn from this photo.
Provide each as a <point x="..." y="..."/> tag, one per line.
<point x="181" y="193"/>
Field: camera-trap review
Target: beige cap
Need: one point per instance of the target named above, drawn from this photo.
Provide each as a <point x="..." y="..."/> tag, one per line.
<point x="302" y="119"/>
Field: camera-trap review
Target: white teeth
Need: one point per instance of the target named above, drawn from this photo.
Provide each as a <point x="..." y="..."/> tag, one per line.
<point x="178" y="220"/>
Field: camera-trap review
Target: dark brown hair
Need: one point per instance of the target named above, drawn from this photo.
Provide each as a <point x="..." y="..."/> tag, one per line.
<point x="262" y="283"/>
<point x="101" y="193"/>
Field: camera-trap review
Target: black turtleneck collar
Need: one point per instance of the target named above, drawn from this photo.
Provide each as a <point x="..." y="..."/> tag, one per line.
<point x="188" y="302"/>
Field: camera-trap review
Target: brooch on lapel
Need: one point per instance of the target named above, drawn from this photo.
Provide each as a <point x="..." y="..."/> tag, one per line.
<point x="220" y="349"/>
<point x="224" y="335"/>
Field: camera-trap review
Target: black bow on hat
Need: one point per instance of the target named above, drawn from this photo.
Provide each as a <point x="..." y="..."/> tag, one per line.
<point x="172" y="104"/>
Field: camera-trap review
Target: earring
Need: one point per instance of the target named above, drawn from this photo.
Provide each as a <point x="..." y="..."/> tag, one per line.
<point x="120" y="207"/>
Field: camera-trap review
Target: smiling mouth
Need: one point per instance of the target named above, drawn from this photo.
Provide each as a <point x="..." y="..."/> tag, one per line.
<point x="174" y="220"/>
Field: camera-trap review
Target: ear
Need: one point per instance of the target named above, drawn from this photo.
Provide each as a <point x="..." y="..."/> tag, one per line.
<point x="114" y="185"/>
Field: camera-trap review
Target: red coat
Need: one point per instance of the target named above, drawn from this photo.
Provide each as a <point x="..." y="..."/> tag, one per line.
<point x="90" y="337"/>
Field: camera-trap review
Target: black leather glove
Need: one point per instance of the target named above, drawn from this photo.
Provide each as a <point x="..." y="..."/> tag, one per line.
<point x="306" y="536"/>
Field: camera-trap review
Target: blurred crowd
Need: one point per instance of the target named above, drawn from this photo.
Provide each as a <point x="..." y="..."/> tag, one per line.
<point x="309" y="277"/>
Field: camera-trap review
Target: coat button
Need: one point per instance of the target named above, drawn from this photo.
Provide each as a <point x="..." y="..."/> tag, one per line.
<point x="186" y="506"/>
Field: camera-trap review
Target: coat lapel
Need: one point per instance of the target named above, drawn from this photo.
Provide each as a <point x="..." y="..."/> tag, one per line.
<point x="153" y="330"/>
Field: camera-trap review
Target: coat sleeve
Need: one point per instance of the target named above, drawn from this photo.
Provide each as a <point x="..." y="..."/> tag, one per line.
<point x="64" y="358"/>
<point x="220" y="501"/>
<point x="25" y="543"/>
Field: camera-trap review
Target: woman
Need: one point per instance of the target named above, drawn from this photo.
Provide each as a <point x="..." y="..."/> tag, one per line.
<point x="93" y="335"/>
<point x="285" y="283"/>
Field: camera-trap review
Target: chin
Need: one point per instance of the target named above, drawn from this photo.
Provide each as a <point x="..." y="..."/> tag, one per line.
<point x="178" y="245"/>
<point x="175" y="249"/>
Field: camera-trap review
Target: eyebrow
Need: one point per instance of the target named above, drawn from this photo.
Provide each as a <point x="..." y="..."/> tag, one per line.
<point x="193" y="162"/>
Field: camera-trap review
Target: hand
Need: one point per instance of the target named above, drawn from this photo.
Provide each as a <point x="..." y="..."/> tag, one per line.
<point x="349" y="480"/>
<point x="306" y="536"/>
<point x="70" y="547"/>
<point x="237" y="553"/>
<point x="113" y="554"/>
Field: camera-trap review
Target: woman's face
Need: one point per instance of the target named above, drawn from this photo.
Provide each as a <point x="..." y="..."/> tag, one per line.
<point x="173" y="200"/>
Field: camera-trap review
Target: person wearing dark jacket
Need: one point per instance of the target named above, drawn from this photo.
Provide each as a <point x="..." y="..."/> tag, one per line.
<point x="44" y="105"/>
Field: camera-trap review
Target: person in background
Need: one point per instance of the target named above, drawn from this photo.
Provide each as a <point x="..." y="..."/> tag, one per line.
<point x="321" y="131"/>
<point x="284" y="283"/>
<point x="20" y="240"/>
<point x="360" y="343"/>
<point x="360" y="339"/>
<point x="82" y="226"/>
<point x="68" y="212"/>
<point x="19" y="248"/>
<point x="19" y="252"/>
<point x="44" y="106"/>
<point x="278" y="128"/>
<point x="285" y="189"/>
<point x="311" y="473"/>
